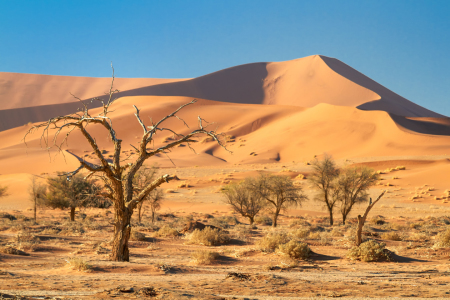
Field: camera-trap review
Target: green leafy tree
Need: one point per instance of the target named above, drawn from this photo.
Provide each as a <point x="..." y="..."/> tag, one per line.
<point x="244" y="199"/>
<point x="78" y="192"/>
<point x="352" y="186"/>
<point x="279" y="192"/>
<point x="324" y="179"/>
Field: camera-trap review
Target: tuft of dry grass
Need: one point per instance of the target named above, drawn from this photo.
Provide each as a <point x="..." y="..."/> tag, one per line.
<point x="167" y="231"/>
<point x="204" y="257"/>
<point x="443" y="239"/>
<point x="263" y="220"/>
<point x="295" y="249"/>
<point x="13" y="251"/>
<point x="208" y="237"/>
<point x="392" y="236"/>
<point x="369" y="251"/>
<point x="79" y="264"/>
<point x="137" y="236"/>
<point x="272" y="241"/>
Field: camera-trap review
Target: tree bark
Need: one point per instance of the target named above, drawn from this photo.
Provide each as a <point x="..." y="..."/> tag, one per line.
<point x="153" y="216"/>
<point x="72" y="214"/>
<point x="251" y="219"/>
<point x="331" y="216"/>
<point x="275" y="218"/>
<point x="344" y="217"/>
<point x="139" y="211"/>
<point x="122" y="231"/>
<point x="35" y="208"/>
<point x="362" y="220"/>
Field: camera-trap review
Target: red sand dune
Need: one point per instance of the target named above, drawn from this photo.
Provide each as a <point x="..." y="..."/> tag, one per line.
<point x="303" y="82"/>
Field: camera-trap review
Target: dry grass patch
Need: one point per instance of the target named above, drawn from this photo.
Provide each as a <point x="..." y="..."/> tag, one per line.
<point x="13" y="251"/>
<point x="392" y="236"/>
<point x="369" y="251"/>
<point x="208" y="237"/>
<point x="272" y="241"/>
<point x="443" y="239"/>
<point x="137" y="236"/>
<point x="300" y="233"/>
<point x="295" y="249"/>
<point x="167" y="231"/>
<point x="79" y="264"/>
<point x="204" y="257"/>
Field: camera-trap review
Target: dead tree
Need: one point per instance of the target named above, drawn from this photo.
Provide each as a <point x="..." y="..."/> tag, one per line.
<point x="118" y="176"/>
<point x="362" y="219"/>
<point x="36" y="192"/>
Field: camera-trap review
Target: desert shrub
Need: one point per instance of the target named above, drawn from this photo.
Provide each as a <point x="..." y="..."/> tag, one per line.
<point x="336" y="232"/>
<point x="5" y="215"/>
<point x="209" y="237"/>
<point x="272" y="241"/>
<point x="378" y="220"/>
<point x="295" y="249"/>
<point x="242" y="232"/>
<point x="314" y="235"/>
<point x="443" y="239"/>
<point x="204" y="257"/>
<point x="325" y="238"/>
<point x="167" y="231"/>
<point x="51" y="231"/>
<point x="79" y="264"/>
<point x="72" y="228"/>
<point x="300" y="233"/>
<point x="392" y="236"/>
<point x="369" y="251"/>
<point x="263" y="220"/>
<point x="418" y="236"/>
<point x="27" y="241"/>
<point x="298" y="222"/>
<point x="137" y="236"/>
<point x="224" y="221"/>
<point x="13" y="251"/>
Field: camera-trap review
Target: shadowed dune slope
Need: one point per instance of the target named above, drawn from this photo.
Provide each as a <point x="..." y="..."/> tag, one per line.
<point x="303" y="82"/>
<point x="259" y="134"/>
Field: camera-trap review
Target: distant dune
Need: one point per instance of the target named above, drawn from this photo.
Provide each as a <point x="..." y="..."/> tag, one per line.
<point x="303" y="82"/>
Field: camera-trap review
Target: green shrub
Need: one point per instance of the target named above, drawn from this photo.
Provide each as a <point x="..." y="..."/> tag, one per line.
<point x="272" y="241"/>
<point x="295" y="249"/>
<point x="369" y="251"/>
<point x="209" y="237"/>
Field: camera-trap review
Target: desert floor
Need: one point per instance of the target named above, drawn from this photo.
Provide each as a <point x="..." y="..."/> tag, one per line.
<point x="162" y="265"/>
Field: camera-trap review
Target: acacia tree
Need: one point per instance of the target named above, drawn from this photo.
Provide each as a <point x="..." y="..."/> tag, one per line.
<point x="323" y="177"/>
<point x="352" y="186"/>
<point x="278" y="191"/>
<point x="78" y="192"/>
<point x="141" y="180"/>
<point x="244" y="199"/>
<point x="36" y="192"/>
<point x="117" y="176"/>
<point x="3" y="191"/>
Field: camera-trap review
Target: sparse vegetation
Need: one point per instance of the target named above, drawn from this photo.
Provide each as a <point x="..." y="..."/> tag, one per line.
<point x="443" y="239"/>
<point x="167" y="231"/>
<point x="369" y="251"/>
<point x="79" y="264"/>
<point x="272" y="241"/>
<point x="295" y="249"/>
<point x="209" y="237"/>
<point x="204" y="257"/>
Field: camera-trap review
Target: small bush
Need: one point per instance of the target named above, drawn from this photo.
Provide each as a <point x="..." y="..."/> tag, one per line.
<point x="224" y="221"/>
<point x="137" y="236"/>
<point x="301" y="233"/>
<point x="369" y="251"/>
<point x="263" y="220"/>
<point x="443" y="239"/>
<point x="295" y="249"/>
<point x="272" y="241"/>
<point x="204" y="257"/>
<point x="209" y="237"/>
<point x="167" y="231"/>
<point x="79" y="264"/>
<point x="392" y="236"/>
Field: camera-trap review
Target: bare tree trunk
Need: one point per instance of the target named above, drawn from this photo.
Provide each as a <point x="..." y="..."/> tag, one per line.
<point x="153" y="216"/>
<point x="362" y="220"/>
<point x="251" y="219"/>
<point x="344" y="217"/>
<point x="72" y="214"/>
<point x="35" y="208"/>
<point x="139" y="206"/>
<point x="122" y="231"/>
<point x="275" y="218"/>
<point x="330" y="210"/>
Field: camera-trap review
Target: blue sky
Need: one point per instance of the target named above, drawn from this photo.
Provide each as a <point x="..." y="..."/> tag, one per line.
<point x="404" y="45"/>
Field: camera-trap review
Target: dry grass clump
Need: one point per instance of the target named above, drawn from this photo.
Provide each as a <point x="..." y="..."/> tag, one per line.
<point x="167" y="231"/>
<point x="443" y="239"/>
<point x="298" y="222"/>
<point x="13" y="251"/>
<point x="72" y="228"/>
<point x="224" y="221"/>
<point x="369" y="251"/>
<point x="204" y="257"/>
<point x="208" y="237"/>
<point x="272" y="241"/>
<point x="300" y="177"/>
<point x="137" y="236"/>
<point x="27" y="241"/>
<point x="51" y="231"/>
<point x="183" y="184"/>
<point x="79" y="264"/>
<point x="263" y="220"/>
<point x="300" y="233"/>
<point x="392" y="236"/>
<point x="295" y="249"/>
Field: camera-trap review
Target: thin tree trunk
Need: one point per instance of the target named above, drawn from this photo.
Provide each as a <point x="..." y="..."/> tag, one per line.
<point x="275" y="218"/>
<point x="362" y="220"/>
<point x="344" y="217"/>
<point x="251" y="219"/>
<point x="153" y="216"/>
<point x="35" y="208"/>
<point x="330" y="210"/>
<point x="72" y="214"/>
<point x="139" y="211"/>
<point x="122" y="231"/>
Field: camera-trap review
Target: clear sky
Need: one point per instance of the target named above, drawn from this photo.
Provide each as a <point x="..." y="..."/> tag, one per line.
<point x="404" y="45"/>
